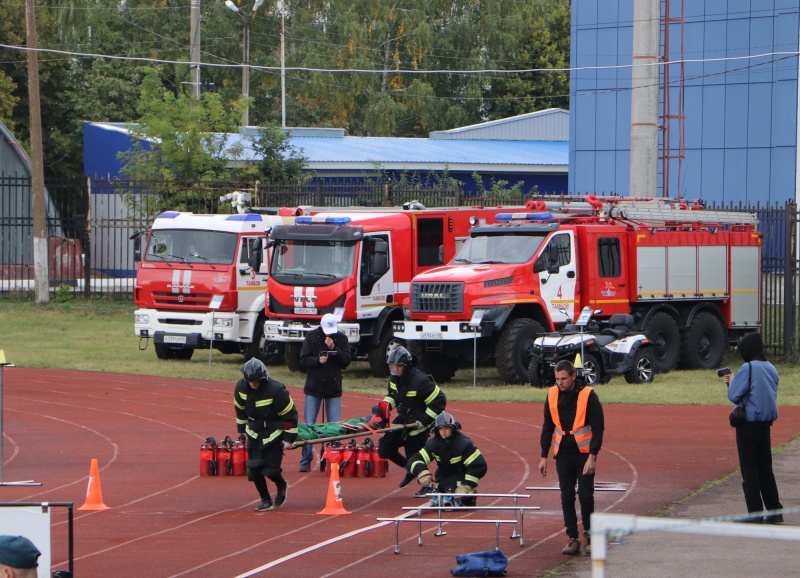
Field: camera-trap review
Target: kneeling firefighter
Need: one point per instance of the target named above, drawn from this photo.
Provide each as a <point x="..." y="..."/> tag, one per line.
<point x="460" y="465"/>
<point x="417" y="398"/>
<point x="266" y="414"/>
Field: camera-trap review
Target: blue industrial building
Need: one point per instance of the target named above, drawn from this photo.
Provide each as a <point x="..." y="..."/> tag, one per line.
<point x="530" y="148"/>
<point x="740" y="127"/>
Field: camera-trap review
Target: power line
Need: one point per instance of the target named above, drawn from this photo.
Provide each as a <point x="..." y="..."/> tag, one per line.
<point x="408" y="71"/>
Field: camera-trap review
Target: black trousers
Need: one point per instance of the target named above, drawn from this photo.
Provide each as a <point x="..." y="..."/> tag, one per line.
<point x="570" y="472"/>
<point x="264" y="462"/>
<point x="755" y="460"/>
<point x="391" y="442"/>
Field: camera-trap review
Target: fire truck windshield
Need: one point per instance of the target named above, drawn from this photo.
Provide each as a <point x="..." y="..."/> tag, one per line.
<point x="510" y="248"/>
<point x="190" y="246"/>
<point x="312" y="262"/>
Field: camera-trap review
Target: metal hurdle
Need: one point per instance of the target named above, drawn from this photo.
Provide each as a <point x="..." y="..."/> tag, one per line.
<point x="518" y="519"/>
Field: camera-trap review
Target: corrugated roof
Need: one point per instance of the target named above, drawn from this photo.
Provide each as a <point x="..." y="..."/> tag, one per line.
<point x="330" y="150"/>
<point x="551" y="124"/>
<point x="423" y="153"/>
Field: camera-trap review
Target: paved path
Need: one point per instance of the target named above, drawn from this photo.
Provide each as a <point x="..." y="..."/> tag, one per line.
<point x="660" y="554"/>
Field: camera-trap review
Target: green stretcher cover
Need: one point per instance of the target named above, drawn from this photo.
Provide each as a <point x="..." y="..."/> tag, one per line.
<point x="310" y="432"/>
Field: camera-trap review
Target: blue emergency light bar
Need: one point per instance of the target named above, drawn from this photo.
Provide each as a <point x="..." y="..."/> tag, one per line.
<point x="317" y="219"/>
<point x="524" y="216"/>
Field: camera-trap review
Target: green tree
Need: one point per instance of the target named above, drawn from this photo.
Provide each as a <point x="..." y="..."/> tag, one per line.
<point x="279" y="160"/>
<point x="178" y="137"/>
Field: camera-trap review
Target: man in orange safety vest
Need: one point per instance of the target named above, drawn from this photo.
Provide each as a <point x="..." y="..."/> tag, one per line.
<point x="573" y="424"/>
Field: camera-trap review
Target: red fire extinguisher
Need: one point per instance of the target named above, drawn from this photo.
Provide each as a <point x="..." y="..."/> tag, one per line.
<point x="332" y="455"/>
<point x="380" y="466"/>
<point x="363" y="461"/>
<point x="238" y="459"/>
<point x="208" y="453"/>
<point x="348" y="466"/>
<point x="224" y="462"/>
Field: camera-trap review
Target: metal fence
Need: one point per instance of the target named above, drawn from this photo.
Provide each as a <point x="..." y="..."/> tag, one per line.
<point x="90" y="221"/>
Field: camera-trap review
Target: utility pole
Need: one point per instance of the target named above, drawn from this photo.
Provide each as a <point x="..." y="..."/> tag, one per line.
<point x="283" y="65"/>
<point x="194" y="43"/>
<point x="41" y="275"/>
<point x="644" y="98"/>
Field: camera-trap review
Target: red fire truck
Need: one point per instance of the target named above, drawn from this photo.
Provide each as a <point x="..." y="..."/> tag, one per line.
<point x="690" y="277"/>
<point x="197" y="288"/>
<point x="357" y="264"/>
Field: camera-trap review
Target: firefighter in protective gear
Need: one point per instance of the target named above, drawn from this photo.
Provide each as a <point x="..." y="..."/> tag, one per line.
<point x="416" y="398"/>
<point x="266" y="414"/>
<point x="460" y="465"/>
<point x="574" y="424"/>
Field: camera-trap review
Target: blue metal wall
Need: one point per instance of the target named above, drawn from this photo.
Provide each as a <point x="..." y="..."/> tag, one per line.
<point x="741" y="115"/>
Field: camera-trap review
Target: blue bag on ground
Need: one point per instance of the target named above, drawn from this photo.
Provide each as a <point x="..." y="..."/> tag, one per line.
<point x="488" y="563"/>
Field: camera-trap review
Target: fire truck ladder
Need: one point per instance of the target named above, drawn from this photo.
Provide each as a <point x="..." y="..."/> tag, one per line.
<point x="657" y="212"/>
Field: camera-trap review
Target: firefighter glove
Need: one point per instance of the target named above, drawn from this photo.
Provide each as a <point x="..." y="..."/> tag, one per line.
<point x="424" y="478"/>
<point x="463" y="489"/>
<point x="287" y="445"/>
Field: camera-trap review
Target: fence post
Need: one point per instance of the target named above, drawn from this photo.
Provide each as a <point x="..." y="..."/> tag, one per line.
<point x="387" y="195"/>
<point x="789" y="280"/>
<point x="87" y="242"/>
<point x="318" y="194"/>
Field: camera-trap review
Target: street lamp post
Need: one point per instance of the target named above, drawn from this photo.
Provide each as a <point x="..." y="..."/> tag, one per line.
<point x="245" y="55"/>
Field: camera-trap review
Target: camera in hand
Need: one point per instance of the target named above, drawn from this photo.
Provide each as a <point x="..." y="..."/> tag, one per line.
<point x="327" y="353"/>
<point x="722" y="372"/>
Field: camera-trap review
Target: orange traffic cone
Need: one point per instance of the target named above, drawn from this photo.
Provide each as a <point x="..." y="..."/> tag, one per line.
<point x="94" y="495"/>
<point x="334" y="505"/>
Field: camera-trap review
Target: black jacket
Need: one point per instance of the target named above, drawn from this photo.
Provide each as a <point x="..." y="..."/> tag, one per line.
<point x="267" y="413"/>
<point x="416" y="397"/>
<point x="456" y="457"/>
<point x="567" y="407"/>
<point x="324" y="379"/>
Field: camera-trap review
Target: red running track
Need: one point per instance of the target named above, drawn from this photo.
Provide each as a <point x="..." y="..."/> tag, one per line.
<point x="166" y="520"/>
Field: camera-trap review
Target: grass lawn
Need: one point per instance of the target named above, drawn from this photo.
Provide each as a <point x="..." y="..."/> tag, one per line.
<point x="98" y="336"/>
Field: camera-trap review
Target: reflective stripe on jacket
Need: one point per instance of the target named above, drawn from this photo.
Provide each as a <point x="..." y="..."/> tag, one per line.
<point x="582" y="432"/>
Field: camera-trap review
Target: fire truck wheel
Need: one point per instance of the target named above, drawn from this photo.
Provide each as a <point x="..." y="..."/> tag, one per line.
<point x="377" y="354"/>
<point x="540" y="374"/>
<point x="292" y="355"/>
<point x="512" y="353"/>
<point x="663" y="331"/>
<point x="642" y="370"/>
<point x="164" y="352"/>
<point x="270" y="352"/>
<point x="704" y="342"/>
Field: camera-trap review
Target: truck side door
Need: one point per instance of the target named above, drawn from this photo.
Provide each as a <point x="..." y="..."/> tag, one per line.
<point x="556" y="267"/>
<point x="375" y="276"/>
<point x="250" y="283"/>
<point x="606" y="282"/>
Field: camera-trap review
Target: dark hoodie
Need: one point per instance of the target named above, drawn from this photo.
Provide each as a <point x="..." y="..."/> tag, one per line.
<point x="751" y="348"/>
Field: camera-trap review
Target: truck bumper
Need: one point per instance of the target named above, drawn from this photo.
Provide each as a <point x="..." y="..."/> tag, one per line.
<point x="440" y="330"/>
<point x="295" y="332"/>
<point x="192" y="328"/>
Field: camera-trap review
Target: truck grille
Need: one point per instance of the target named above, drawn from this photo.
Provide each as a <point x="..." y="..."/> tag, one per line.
<point x="179" y="300"/>
<point x="437" y="297"/>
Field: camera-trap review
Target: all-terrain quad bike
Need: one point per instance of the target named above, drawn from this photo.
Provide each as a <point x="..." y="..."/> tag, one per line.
<point x="618" y="348"/>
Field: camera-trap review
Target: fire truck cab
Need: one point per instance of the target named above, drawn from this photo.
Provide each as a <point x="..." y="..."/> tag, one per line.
<point x="358" y="264"/>
<point x="196" y="286"/>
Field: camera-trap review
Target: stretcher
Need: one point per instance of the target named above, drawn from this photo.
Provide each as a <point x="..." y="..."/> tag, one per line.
<point x="342" y="430"/>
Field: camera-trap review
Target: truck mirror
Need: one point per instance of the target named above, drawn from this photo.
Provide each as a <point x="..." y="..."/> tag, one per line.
<point x="541" y="264"/>
<point x="137" y="249"/>
<point x="255" y="257"/>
